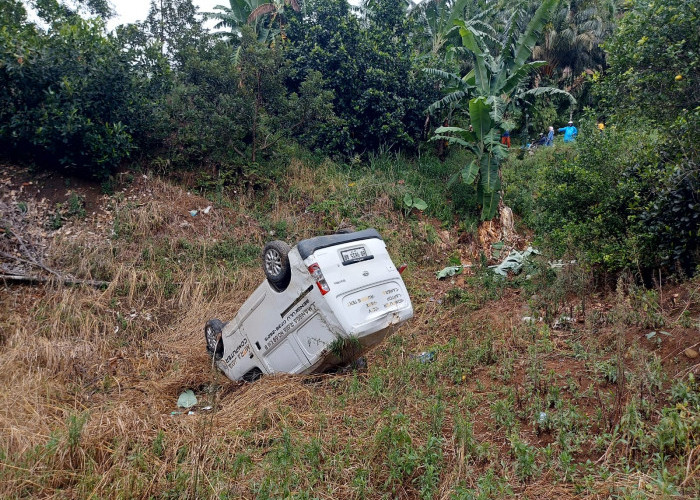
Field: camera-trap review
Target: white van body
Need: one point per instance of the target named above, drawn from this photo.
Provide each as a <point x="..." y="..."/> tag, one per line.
<point x="294" y="330"/>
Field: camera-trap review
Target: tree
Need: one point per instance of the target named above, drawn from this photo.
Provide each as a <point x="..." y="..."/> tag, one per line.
<point x="175" y="24"/>
<point x="654" y="61"/>
<point x="272" y="18"/>
<point x="494" y="85"/>
<point x="435" y="22"/>
<point x="571" y="42"/>
<point x="66" y="95"/>
<point x="379" y="93"/>
<point x="234" y="16"/>
<point x="267" y="18"/>
<point x="12" y="14"/>
<point x="53" y="10"/>
<point x="630" y="197"/>
<point x="653" y="87"/>
<point x="229" y="110"/>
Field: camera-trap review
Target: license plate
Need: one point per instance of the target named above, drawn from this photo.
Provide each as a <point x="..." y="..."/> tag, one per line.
<point x="354" y="254"/>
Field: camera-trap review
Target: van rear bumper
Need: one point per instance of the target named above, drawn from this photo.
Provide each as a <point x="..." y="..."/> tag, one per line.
<point x="374" y="331"/>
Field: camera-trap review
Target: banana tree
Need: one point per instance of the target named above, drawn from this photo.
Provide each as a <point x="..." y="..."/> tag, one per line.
<point x="436" y="18"/>
<point x="234" y="16"/>
<point x="496" y="82"/>
<point x="482" y="139"/>
<point x="266" y="17"/>
<point x="499" y="74"/>
<point x="274" y="12"/>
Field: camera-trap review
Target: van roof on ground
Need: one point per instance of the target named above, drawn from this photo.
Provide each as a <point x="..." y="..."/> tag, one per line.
<point x="307" y="247"/>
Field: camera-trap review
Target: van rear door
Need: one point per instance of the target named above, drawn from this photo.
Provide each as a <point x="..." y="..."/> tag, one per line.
<point x="365" y="288"/>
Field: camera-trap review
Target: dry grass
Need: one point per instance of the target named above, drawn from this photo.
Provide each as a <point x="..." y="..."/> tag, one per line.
<point x="90" y="377"/>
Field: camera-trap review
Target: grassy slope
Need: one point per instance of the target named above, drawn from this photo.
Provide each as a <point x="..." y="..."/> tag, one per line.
<point x="90" y="377"/>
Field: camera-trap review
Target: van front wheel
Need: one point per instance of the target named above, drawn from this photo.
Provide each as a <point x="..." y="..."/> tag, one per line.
<point x="275" y="262"/>
<point x="212" y="336"/>
<point x="252" y="375"/>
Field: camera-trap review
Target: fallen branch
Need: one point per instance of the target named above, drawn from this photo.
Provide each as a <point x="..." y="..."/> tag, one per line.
<point x="30" y="262"/>
<point x="685" y="372"/>
<point x="62" y="279"/>
<point x="688" y="474"/>
<point x="66" y="280"/>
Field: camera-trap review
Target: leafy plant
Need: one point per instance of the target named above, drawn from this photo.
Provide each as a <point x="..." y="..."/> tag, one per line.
<point x="67" y="95"/>
<point x="410" y="202"/>
<point x="491" y="87"/>
<point x="449" y="271"/>
<point x="657" y="335"/>
<point x="525" y="456"/>
<point x="345" y="348"/>
<point x="607" y="370"/>
<point x="76" y="423"/>
<point x="76" y="206"/>
<point x="502" y="414"/>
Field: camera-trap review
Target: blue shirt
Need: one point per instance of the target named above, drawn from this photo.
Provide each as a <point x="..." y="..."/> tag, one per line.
<point x="570" y="133"/>
<point x="550" y="138"/>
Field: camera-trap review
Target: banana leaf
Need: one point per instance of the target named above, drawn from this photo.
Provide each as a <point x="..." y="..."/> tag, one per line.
<point x="479" y="115"/>
<point x="528" y="39"/>
<point x="481" y="73"/>
<point x="470" y="172"/>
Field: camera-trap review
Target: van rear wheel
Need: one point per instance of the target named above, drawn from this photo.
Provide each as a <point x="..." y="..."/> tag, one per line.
<point x="275" y="260"/>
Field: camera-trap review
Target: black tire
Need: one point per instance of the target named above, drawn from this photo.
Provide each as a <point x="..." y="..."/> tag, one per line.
<point x="212" y="337"/>
<point x="252" y="375"/>
<point x="275" y="262"/>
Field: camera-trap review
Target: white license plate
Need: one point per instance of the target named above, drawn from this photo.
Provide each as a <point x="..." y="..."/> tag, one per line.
<point x="354" y="254"/>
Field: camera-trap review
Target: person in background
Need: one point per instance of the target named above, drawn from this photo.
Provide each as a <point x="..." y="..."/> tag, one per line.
<point x="550" y="137"/>
<point x="570" y="132"/>
<point x="541" y="140"/>
<point x="505" y="139"/>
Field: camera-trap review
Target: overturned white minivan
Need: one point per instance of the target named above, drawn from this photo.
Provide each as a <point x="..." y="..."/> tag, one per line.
<point x="324" y="302"/>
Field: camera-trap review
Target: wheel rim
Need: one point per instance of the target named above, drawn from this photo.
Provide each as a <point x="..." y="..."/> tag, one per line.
<point x="273" y="262"/>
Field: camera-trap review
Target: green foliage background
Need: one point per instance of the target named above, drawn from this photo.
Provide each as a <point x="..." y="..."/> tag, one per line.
<point x="349" y="83"/>
<point x="66" y="95"/>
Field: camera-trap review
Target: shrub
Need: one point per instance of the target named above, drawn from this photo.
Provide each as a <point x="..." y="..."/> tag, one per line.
<point x="626" y="198"/>
<point x="66" y="95"/>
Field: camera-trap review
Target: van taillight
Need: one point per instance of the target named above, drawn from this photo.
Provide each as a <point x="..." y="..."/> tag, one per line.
<point x="402" y="268"/>
<point x="320" y="280"/>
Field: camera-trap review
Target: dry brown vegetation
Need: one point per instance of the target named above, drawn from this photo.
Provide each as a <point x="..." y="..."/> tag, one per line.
<point x="90" y="375"/>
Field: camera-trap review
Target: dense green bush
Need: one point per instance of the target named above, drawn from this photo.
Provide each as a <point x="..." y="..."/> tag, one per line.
<point x="379" y="94"/>
<point x="587" y="201"/>
<point x="626" y="198"/>
<point x="525" y="178"/>
<point x="668" y="218"/>
<point x="66" y="95"/>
